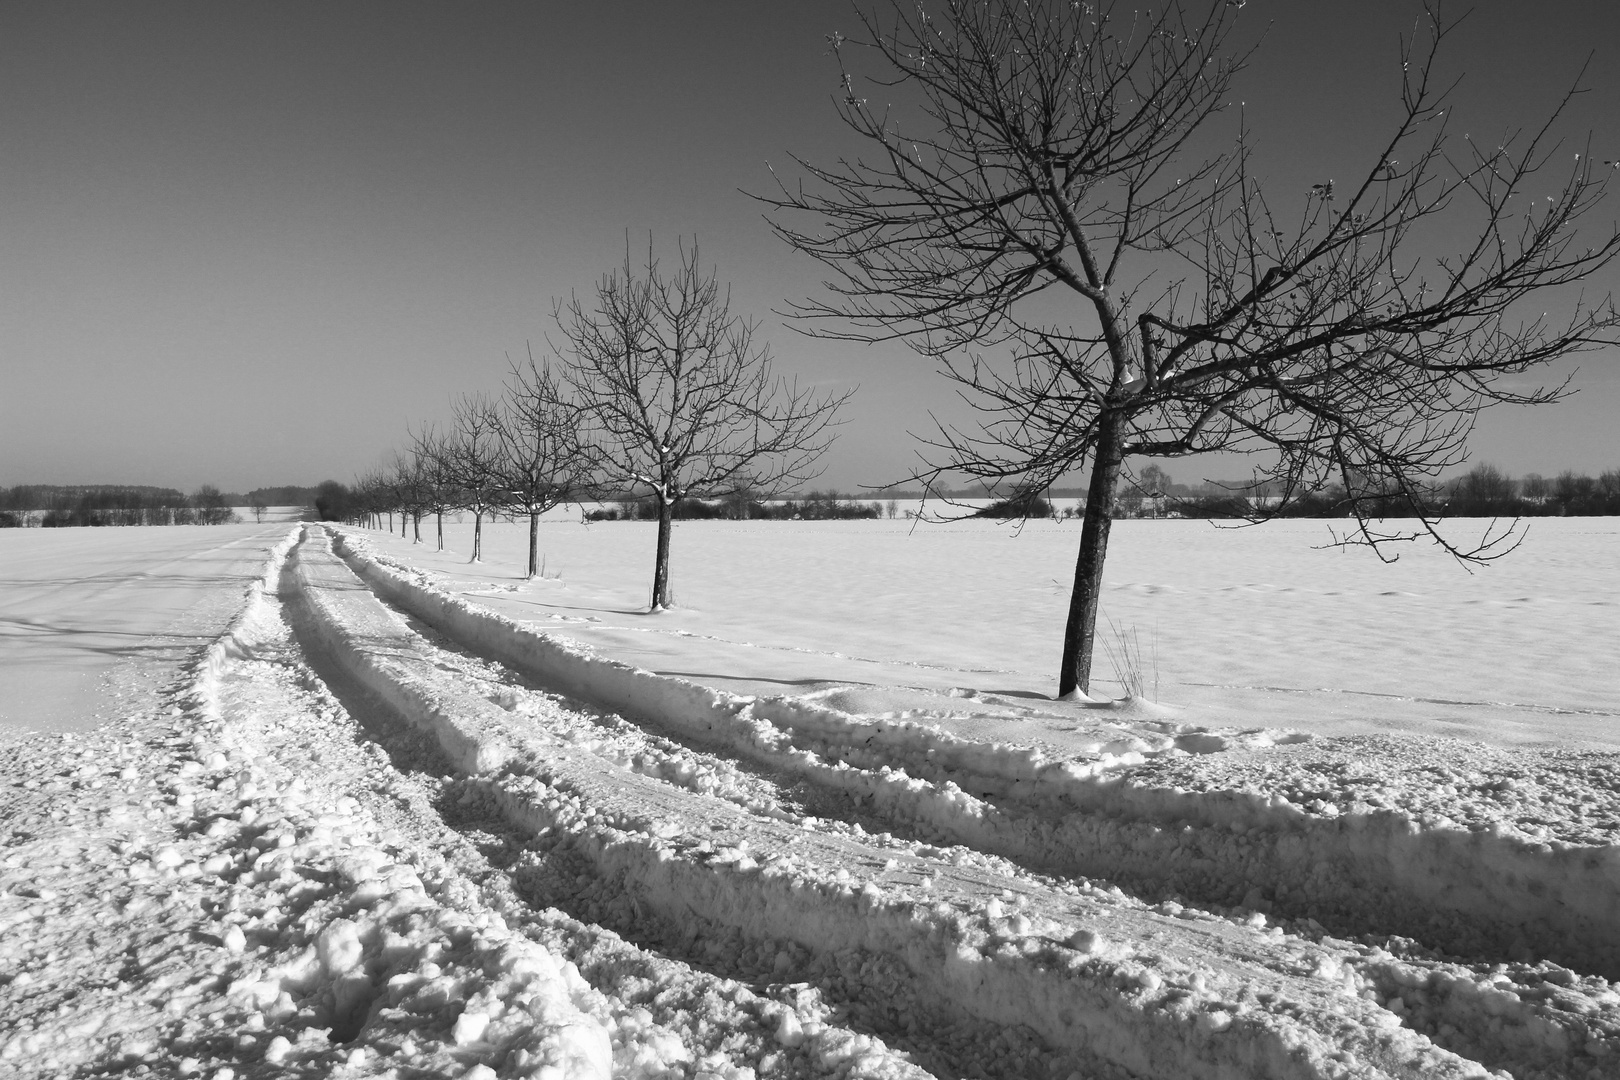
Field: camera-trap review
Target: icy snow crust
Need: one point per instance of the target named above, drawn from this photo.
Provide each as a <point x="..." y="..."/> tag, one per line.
<point x="358" y="839"/>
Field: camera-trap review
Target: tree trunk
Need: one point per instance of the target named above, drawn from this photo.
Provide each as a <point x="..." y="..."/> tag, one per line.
<point x="1080" y="632"/>
<point x="416" y="528"/>
<point x="478" y="536"/>
<point x="660" y="590"/>
<point x="534" y="544"/>
<point x="440" y="515"/>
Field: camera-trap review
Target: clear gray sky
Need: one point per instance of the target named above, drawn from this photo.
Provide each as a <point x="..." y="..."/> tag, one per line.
<point x="248" y="244"/>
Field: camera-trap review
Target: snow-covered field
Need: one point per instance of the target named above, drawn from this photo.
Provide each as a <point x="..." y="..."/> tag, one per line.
<point x="1242" y="625"/>
<point x="362" y="809"/>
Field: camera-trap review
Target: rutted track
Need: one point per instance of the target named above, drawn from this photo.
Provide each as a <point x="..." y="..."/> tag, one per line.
<point x="1103" y="979"/>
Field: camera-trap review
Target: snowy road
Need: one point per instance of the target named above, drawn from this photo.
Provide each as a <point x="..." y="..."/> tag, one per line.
<point x="377" y="829"/>
<point x="82" y="609"/>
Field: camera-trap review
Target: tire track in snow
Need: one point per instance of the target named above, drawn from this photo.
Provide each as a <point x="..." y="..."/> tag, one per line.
<point x="665" y="1018"/>
<point x="1166" y="996"/>
<point x="815" y="997"/>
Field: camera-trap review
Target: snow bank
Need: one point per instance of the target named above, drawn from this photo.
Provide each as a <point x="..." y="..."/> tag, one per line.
<point x="1498" y="889"/>
<point x="245" y="630"/>
<point x="468" y="741"/>
<point x="1080" y="989"/>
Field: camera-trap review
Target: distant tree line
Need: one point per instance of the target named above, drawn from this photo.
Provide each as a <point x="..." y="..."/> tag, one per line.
<point x="55" y="506"/>
<point x="285" y="495"/>
<point x="369" y="503"/>
<point x="1483" y="491"/>
<point x="749" y="506"/>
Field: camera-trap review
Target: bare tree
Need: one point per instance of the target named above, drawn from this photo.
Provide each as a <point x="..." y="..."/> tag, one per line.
<point x="677" y="399"/>
<point x="1046" y="238"/>
<point x="474" y="450"/>
<point x="410" y="493"/>
<point x="378" y="489"/>
<point x="210" y="505"/>
<point x="1535" y="488"/>
<point x="257" y="504"/>
<point x="1484" y="491"/>
<point x="541" y="463"/>
<point x="374" y="497"/>
<point x="435" y="455"/>
<point x="1153" y="479"/>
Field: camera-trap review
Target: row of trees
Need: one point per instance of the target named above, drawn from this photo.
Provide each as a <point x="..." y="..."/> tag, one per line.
<point x="658" y="391"/>
<point x="51" y="506"/>
<point x="1035" y="215"/>
<point x="1486" y="491"/>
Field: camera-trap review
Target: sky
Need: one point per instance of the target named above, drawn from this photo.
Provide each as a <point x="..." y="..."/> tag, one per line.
<point x="251" y="245"/>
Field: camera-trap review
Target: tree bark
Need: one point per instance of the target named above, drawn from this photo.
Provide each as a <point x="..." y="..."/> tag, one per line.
<point x="660" y="593"/>
<point x="1080" y="632"/>
<point x="534" y="544"/>
<point x="478" y="537"/>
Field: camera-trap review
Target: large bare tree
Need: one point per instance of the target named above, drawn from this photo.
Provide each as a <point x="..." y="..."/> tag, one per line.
<point x="541" y="463"/>
<point x="1032" y="217"/>
<point x="677" y="399"/>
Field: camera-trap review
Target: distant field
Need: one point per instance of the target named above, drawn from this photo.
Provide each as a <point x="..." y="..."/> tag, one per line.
<point x="1249" y="625"/>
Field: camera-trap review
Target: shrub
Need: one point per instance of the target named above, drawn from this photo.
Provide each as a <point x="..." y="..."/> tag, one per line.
<point x="1213" y="506"/>
<point x="1026" y="505"/>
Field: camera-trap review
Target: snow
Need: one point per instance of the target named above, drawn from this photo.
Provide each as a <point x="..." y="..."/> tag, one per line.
<point x="391" y="815"/>
<point x="82" y="615"/>
<point x="1331" y="640"/>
